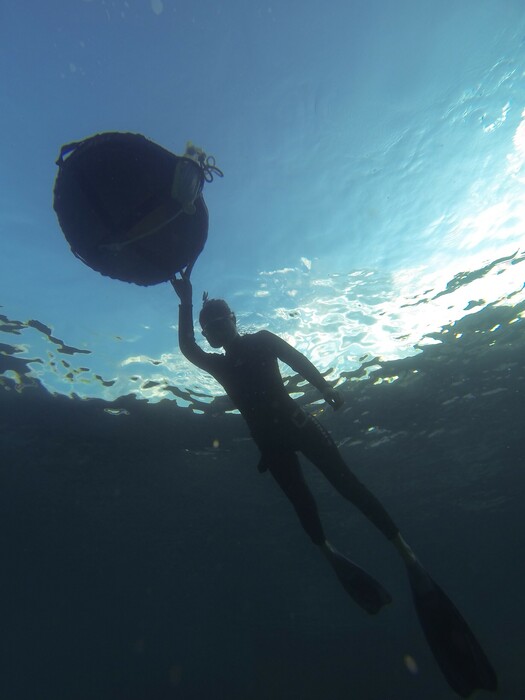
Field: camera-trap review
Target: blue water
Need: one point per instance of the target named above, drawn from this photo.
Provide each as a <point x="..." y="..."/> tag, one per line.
<point x="372" y="214"/>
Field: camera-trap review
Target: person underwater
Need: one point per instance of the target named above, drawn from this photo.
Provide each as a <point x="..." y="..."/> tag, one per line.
<point x="249" y="373"/>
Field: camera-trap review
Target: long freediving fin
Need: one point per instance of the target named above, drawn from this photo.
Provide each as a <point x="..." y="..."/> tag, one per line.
<point x="457" y="652"/>
<point x="363" y="588"/>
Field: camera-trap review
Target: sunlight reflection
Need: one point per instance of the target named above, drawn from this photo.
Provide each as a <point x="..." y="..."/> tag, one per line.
<point x="341" y="321"/>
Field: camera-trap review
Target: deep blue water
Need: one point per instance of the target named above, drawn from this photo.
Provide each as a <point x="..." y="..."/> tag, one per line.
<point x="140" y="562"/>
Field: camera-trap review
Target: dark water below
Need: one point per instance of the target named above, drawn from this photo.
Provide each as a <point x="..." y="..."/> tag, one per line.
<point x="140" y="563"/>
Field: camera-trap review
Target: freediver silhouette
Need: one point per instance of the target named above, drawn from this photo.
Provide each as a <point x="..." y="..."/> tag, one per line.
<point x="249" y="372"/>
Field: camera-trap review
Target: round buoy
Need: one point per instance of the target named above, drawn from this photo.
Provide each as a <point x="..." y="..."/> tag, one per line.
<point x="129" y="208"/>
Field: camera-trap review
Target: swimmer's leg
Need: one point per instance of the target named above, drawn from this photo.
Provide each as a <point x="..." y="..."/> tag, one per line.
<point x="286" y="470"/>
<point x="458" y="653"/>
<point x="318" y="446"/>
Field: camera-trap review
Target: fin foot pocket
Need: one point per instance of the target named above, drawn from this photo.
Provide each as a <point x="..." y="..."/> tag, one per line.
<point x="368" y="593"/>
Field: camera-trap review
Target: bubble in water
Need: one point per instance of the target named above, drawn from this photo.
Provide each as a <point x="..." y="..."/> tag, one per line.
<point x="410" y="663"/>
<point x="157" y="6"/>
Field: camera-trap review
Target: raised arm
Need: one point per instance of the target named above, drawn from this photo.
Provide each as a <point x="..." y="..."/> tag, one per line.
<point x="302" y="365"/>
<point x="187" y="344"/>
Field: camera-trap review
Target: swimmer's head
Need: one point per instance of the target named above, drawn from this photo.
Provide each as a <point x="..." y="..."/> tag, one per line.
<point x="218" y="322"/>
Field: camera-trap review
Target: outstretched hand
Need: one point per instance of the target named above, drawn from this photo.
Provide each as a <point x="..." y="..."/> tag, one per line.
<point x="183" y="287"/>
<point x="333" y="397"/>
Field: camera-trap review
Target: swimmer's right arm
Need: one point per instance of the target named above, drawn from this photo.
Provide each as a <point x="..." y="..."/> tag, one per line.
<point x="183" y="288"/>
<point x="187" y="344"/>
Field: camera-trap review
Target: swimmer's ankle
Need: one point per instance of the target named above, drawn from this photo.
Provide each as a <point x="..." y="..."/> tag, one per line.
<point x="327" y="549"/>
<point x="404" y="550"/>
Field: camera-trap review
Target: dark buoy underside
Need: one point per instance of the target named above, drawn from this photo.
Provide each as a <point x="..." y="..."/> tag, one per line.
<point x="113" y="198"/>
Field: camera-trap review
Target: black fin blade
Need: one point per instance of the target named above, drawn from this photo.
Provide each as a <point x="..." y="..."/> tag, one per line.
<point x="457" y="652"/>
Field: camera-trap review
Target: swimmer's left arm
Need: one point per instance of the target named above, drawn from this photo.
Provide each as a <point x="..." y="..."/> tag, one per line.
<point x="302" y="365"/>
